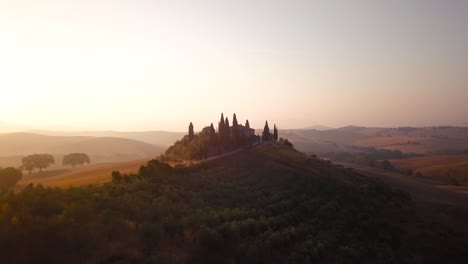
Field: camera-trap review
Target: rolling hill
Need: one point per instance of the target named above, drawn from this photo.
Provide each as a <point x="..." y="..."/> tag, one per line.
<point x="81" y="176"/>
<point x="426" y="140"/>
<point x="100" y="149"/>
<point x="160" y="138"/>
<point x="267" y="204"/>
<point x="437" y="167"/>
<point x="6" y="127"/>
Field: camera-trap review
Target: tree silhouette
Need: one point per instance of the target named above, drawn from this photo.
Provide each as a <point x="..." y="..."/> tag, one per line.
<point x="275" y="133"/>
<point x="227" y="130"/>
<point x="191" y="133"/>
<point x="266" y="132"/>
<point x="221" y="133"/>
<point x="212" y="135"/>
<point x="39" y="161"/>
<point x="76" y="159"/>
<point x="247" y="125"/>
<point x="235" y="130"/>
<point x="9" y="177"/>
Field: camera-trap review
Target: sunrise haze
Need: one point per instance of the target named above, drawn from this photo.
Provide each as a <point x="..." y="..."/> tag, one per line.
<point x="156" y="65"/>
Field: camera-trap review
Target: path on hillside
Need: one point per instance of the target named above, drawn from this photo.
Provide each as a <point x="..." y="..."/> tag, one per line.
<point x="231" y="153"/>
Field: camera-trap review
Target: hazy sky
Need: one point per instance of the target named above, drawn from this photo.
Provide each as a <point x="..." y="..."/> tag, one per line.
<point x="149" y="65"/>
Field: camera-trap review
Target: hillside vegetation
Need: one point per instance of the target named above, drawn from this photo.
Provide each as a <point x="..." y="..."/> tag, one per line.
<point x="270" y="204"/>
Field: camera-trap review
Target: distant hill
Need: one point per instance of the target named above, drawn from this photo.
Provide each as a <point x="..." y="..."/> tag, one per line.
<point x="425" y="140"/>
<point x="162" y="138"/>
<point x="101" y="149"/>
<point x="443" y="168"/>
<point x="319" y="127"/>
<point x="10" y="127"/>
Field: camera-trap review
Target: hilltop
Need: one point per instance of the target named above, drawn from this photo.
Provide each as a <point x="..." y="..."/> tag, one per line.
<point x="269" y="203"/>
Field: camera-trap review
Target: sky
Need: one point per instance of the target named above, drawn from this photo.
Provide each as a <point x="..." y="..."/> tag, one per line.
<point x="157" y="65"/>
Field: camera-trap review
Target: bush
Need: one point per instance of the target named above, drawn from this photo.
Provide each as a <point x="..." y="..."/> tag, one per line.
<point x="9" y="177"/>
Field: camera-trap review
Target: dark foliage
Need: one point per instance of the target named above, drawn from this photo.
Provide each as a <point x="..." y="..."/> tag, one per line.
<point x="267" y="205"/>
<point x="76" y="159"/>
<point x="9" y="177"/>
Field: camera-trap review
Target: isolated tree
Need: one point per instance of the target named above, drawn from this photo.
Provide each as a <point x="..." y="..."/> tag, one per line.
<point x="39" y="161"/>
<point x="76" y="159"/>
<point x="266" y="132"/>
<point x="191" y="133"/>
<point x="9" y="177"/>
<point x="275" y="133"/>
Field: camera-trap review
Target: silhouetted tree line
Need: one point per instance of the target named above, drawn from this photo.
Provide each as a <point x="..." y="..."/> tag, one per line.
<point x="210" y="142"/>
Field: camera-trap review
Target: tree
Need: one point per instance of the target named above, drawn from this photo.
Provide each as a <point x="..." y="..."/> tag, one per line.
<point x="266" y="132"/>
<point x="221" y="130"/>
<point x="191" y="133"/>
<point x="227" y="130"/>
<point x="235" y="130"/>
<point x="76" y="159"/>
<point x="39" y="161"/>
<point x="247" y="125"/>
<point x="212" y="135"/>
<point x="9" y="177"/>
<point x="275" y="133"/>
<point x="29" y="167"/>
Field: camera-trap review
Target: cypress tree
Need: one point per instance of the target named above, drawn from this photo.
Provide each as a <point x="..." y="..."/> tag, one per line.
<point x="266" y="132"/>
<point x="275" y="133"/>
<point x="234" y="120"/>
<point x="221" y="130"/>
<point x="227" y="130"/>
<point x="235" y="130"/>
<point x="212" y="135"/>
<point x="191" y="134"/>
<point x="247" y="125"/>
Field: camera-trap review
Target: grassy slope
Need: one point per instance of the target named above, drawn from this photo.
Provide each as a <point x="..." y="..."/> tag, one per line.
<point x="416" y="140"/>
<point x="437" y="166"/>
<point x="92" y="174"/>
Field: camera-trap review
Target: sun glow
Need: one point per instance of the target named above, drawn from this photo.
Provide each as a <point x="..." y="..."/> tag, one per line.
<point x="11" y="84"/>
